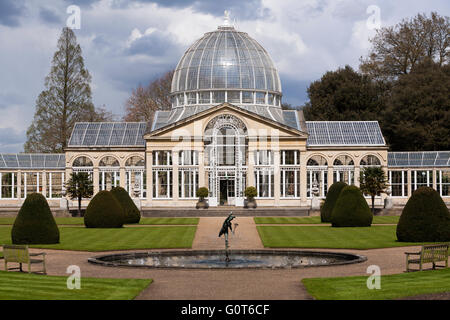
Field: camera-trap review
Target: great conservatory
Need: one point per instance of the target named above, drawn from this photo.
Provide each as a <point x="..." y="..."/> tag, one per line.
<point x="226" y="131"/>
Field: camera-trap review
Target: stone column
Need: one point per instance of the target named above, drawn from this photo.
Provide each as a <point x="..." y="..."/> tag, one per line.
<point x="277" y="178"/>
<point x="303" y="178"/>
<point x="201" y="170"/>
<point x="19" y="184"/>
<point x="357" y="173"/>
<point x="149" y="170"/>
<point x="435" y="173"/>
<point x="96" y="180"/>
<point x="123" y="180"/>
<point x="43" y="181"/>
<point x="250" y="169"/>
<point x="409" y="183"/>
<point x="175" y="182"/>
<point x="330" y="179"/>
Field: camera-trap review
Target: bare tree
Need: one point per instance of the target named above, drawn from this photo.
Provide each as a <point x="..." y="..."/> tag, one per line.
<point x="145" y="101"/>
<point x="66" y="100"/>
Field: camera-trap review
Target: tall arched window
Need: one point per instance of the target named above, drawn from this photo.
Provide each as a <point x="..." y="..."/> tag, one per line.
<point x="225" y="157"/>
<point x="136" y="182"/>
<point x="317" y="176"/>
<point x="344" y="169"/>
<point x="109" y="173"/>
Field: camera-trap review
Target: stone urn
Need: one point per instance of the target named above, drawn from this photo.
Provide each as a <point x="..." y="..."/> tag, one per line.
<point x="250" y="203"/>
<point x="202" y="203"/>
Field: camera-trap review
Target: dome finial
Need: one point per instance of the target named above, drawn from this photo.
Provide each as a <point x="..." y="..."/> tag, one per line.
<point x="226" y="21"/>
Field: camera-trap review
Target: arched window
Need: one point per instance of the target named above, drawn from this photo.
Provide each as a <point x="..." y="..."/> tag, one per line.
<point x="317" y="176"/>
<point x="109" y="162"/>
<point x="317" y="161"/>
<point x="344" y="169"/>
<point x="343" y="161"/>
<point x="370" y="160"/>
<point x="136" y="182"/>
<point x="82" y="162"/>
<point x="109" y="174"/>
<point x="135" y="162"/>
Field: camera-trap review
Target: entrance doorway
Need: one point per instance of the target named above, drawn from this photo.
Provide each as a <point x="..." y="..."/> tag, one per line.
<point x="227" y="192"/>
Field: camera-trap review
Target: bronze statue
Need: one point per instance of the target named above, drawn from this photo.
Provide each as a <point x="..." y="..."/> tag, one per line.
<point x="227" y="225"/>
<point x="224" y="231"/>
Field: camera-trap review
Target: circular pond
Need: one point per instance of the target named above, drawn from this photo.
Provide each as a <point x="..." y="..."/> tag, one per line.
<point x="239" y="259"/>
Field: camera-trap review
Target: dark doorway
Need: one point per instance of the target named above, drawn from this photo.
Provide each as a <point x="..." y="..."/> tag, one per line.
<point x="223" y="192"/>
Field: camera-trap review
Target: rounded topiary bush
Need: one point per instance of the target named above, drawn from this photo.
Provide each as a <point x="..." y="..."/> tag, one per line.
<point x="330" y="201"/>
<point x="425" y="218"/>
<point x="35" y="223"/>
<point x="104" y="211"/>
<point x="351" y="209"/>
<point x="202" y="193"/>
<point x="250" y="192"/>
<point x="132" y="213"/>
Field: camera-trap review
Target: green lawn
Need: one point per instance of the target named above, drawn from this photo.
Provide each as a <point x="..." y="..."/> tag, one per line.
<point x="316" y="220"/>
<point x="83" y="239"/>
<point x="328" y="237"/>
<point x="392" y="286"/>
<point x="144" y="221"/>
<point x="23" y="286"/>
<point x="169" y="221"/>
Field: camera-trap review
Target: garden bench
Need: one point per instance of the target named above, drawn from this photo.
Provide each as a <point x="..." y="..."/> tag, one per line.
<point x="20" y="254"/>
<point x="428" y="254"/>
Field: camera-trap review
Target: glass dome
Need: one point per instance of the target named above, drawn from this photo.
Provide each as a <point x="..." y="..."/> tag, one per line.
<point x="226" y="66"/>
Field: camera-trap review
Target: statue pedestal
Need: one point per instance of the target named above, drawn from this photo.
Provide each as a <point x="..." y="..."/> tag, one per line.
<point x="388" y="203"/>
<point x="138" y="203"/>
<point x="315" y="203"/>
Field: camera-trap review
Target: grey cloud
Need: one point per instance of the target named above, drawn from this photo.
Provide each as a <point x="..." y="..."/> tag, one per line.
<point x="49" y="16"/>
<point x="10" y="140"/>
<point x="10" y="12"/>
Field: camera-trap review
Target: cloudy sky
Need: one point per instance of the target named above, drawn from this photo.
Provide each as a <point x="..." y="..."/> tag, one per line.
<point x="130" y="42"/>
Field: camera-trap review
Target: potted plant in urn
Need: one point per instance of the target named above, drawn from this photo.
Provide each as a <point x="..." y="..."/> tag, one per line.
<point x="202" y="203"/>
<point x="250" y="202"/>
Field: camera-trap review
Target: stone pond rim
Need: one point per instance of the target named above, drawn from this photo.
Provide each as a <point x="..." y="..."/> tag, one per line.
<point x="118" y="260"/>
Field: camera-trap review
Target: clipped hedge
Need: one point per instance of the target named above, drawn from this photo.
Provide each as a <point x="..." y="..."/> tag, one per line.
<point x="332" y="196"/>
<point x="104" y="211"/>
<point x="35" y="223"/>
<point x="425" y="218"/>
<point x="351" y="209"/>
<point x="132" y="213"/>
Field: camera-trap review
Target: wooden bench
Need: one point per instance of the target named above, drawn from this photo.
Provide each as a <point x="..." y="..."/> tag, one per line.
<point x="428" y="254"/>
<point x="20" y="254"/>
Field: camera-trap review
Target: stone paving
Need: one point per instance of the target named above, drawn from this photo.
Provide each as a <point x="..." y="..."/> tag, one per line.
<point x="284" y="284"/>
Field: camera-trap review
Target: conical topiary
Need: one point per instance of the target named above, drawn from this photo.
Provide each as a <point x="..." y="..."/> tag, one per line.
<point x="132" y="213"/>
<point x="104" y="211"/>
<point x="351" y="209"/>
<point x="330" y="201"/>
<point x="35" y="223"/>
<point x="425" y="218"/>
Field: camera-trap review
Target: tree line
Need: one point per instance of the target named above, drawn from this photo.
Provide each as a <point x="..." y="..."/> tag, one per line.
<point x="404" y="83"/>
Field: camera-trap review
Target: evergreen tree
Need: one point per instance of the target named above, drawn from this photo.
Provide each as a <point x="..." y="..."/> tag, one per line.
<point x="80" y="186"/>
<point x="345" y="95"/>
<point x="65" y="101"/>
<point x="373" y="181"/>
